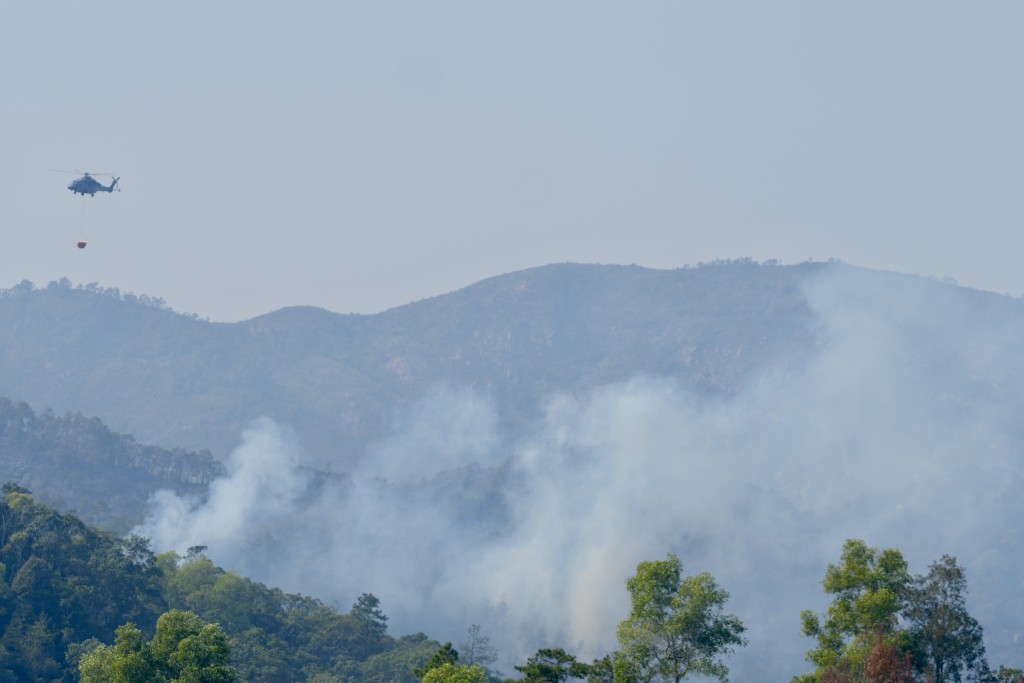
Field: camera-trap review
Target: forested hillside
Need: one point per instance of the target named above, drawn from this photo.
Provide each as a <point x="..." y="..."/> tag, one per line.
<point x="65" y="587"/>
<point x="76" y="463"/>
<point x="75" y="599"/>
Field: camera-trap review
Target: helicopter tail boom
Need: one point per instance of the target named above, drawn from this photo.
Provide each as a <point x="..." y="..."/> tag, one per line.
<point x="112" y="185"/>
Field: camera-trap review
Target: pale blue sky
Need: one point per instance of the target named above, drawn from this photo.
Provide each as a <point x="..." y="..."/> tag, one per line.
<point x="361" y="155"/>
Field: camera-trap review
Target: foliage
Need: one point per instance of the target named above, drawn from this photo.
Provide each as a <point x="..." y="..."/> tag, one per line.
<point x="184" y="650"/>
<point x="887" y="664"/>
<point x="67" y="588"/>
<point x="263" y="657"/>
<point x="676" y="626"/>
<point x="552" y="665"/>
<point x="1009" y="675"/>
<point x="947" y="638"/>
<point x="76" y="599"/>
<point x="62" y="583"/>
<point x="445" y="655"/>
<point x="602" y="671"/>
<point x="396" y="664"/>
<point x="78" y="463"/>
<point x="371" y="625"/>
<point x="456" y="673"/>
<point x="870" y="589"/>
<point x="885" y="627"/>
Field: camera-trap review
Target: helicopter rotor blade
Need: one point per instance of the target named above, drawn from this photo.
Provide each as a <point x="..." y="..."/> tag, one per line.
<point x="80" y="172"/>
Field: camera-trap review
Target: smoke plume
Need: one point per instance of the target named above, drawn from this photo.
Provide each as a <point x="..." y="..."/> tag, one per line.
<point x="904" y="429"/>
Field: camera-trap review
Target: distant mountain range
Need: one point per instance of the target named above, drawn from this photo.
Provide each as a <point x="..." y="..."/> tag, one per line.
<point x="340" y="380"/>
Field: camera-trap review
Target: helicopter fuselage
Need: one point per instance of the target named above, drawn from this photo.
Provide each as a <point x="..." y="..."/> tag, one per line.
<point x="87" y="185"/>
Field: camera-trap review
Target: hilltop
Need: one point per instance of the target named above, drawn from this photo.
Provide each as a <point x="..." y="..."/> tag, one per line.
<point x="339" y="380"/>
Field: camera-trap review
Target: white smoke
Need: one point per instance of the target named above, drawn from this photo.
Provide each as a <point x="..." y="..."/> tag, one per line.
<point x="448" y="428"/>
<point x="904" y="429"/>
<point x="263" y="486"/>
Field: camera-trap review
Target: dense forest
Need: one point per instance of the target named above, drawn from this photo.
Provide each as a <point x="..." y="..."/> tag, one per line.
<point x="78" y="603"/>
<point x="73" y="462"/>
<point x="67" y="587"/>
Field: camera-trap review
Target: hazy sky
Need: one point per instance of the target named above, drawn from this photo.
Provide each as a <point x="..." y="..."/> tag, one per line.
<point x="358" y="156"/>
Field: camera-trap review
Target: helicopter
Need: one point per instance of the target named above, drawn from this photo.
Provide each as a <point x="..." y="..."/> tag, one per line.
<point x="87" y="185"/>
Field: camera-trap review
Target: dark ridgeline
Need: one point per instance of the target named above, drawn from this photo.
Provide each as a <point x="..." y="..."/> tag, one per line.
<point x="76" y="463"/>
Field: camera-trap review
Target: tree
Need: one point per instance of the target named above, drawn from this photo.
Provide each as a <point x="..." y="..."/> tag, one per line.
<point x="128" y="660"/>
<point x="188" y="650"/>
<point x="195" y="552"/>
<point x="946" y="637"/>
<point x="477" y="649"/>
<point x="367" y="613"/>
<point x="676" y="626"/>
<point x="870" y="589"/>
<point x="371" y="624"/>
<point x="1009" y="675"/>
<point x="262" y="657"/>
<point x="184" y="650"/>
<point x="394" y="665"/>
<point x="456" y="673"/>
<point x="887" y="664"/>
<point x="445" y="655"/>
<point x="137" y="551"/>
<point x="602" y="671"/>
<point x="552" y="666"/>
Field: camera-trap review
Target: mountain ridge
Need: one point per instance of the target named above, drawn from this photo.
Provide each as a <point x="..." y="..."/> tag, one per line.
<point x="76" y="463"/>
<point x="89" y="349"/>
<point x="340" y="380"/>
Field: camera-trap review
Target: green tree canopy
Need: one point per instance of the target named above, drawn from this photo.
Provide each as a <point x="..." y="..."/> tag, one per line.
<point x="884" y="625"/>
<point x="871" y="589"/>
<point x="677" y="626"/>
<point x="552" y="665"/>
<point x="1009" y="675"/>
<point x="126" y="661"/>
<point x="946" y="637"/>
<point x="367" y="613"/>
<point x="184" y="650"/>
<point x="446" y="654"/>
<point x="456" y="673"/>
